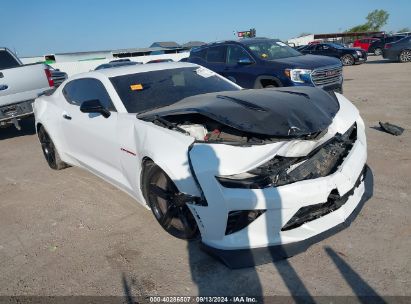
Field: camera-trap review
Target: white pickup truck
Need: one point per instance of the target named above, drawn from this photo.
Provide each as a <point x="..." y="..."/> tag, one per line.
<point x="19" y="86"/>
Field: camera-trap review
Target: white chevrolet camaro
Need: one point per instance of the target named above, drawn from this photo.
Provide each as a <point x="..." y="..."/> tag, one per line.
<point x="258" y="175"/>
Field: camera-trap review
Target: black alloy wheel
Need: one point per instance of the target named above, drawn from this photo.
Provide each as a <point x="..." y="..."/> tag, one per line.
<point x="49" y="150"/>
<point x="168" y="204"/>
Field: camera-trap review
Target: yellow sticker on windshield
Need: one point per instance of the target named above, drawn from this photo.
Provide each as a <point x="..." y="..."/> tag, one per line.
<point x="264" y="55"/>
<point x="136" y="87"/>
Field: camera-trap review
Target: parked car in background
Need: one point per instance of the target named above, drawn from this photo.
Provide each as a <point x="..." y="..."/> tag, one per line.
<point x="399" y="50"/>
<point x="116" y="64"/>
<point x="264" y="63"/>
<point x="364" y="43"/>
<point x="257" y="175"/>
<point x="377" y="46"/>
<point x="348" y="56"/>
<point x="20" y="84"/>
<point x="57" y="76"/>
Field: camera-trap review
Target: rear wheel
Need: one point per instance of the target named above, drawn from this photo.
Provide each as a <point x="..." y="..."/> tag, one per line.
<point x="49" y="150"/>
<point x="347" y="59"/>
<point x="166" y="204"/>
<point x="405" y="56"/>
<point x="378" y="51"/>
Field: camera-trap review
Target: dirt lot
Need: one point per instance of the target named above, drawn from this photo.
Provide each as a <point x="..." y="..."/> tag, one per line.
<point x="70" y="233"/>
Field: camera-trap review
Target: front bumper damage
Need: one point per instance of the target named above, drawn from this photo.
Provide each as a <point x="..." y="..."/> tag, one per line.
<point x="290" y="217"/>
<point x="248" y="257"/>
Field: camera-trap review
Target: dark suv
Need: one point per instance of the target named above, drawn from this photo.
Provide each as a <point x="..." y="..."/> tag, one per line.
<point x="377" y="46"/>
<point x="262" y="63"/>
<point x="398" y="50"/>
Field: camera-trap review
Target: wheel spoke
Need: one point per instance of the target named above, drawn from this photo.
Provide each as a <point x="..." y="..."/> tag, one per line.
<point x="168" y="216"/>
<point x="160" y="192"/>
<point x="184" y="221"/>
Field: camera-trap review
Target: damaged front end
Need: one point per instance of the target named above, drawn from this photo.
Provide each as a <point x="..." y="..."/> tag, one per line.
<point x="276" y="167"/>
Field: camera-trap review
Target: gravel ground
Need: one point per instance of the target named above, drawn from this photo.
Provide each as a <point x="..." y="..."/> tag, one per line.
<point x="70" y="233"/>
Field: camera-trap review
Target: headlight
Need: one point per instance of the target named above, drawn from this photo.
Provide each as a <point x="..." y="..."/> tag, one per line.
<point x="298" y="75"/>
<point x="359" y="53"/>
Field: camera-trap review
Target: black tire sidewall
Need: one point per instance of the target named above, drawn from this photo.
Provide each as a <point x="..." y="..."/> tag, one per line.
<point x="58" y="163"/>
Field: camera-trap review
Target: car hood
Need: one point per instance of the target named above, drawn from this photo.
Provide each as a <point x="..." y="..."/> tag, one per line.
<point x="306" y="61"/>
<point x="280" y="112"/>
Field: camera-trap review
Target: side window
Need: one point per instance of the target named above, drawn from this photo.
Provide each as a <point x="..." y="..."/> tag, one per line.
<point x="318" y="47"/>
<point x="235" y="53"/>
<point x="80" y="90"/>
<point x="216" y="54"/>
<point x="7" y="61"/>
<point x="201" y="53"/>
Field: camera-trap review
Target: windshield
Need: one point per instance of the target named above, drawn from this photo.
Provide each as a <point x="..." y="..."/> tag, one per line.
<point x="272" y="49"/>
<point x="336" y="45"/>
<point x="143" y="92"/>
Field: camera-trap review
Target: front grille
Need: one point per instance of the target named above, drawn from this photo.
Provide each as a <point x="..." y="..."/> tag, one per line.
<point x="326" y="76"/>
<point x="313" y="212"/>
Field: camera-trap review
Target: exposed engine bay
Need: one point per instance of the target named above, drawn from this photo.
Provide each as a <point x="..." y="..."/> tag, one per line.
<point x="279" y="171"/>
<point x="208" y="130"/>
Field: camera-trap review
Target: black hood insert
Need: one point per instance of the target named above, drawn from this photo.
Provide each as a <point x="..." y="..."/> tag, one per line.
<point x="280" y="112"/>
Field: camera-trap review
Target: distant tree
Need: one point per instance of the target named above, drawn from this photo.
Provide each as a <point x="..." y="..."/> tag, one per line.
<point x="375" y="21"/>
<point x="404" y="29"/>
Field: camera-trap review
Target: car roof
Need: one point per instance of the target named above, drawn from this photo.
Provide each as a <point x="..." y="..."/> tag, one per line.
<point x="140" y="68"/>
<point x="116" y="64"/>
<point x="244" y="41"/>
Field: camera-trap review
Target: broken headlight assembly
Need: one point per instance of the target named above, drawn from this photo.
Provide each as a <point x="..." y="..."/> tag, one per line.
<point x="280" y="171"/>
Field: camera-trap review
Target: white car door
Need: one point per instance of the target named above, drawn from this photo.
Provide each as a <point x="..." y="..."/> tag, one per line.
<point x="90" y="138"/>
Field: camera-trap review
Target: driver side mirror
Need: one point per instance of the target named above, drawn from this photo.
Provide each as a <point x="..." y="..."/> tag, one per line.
<point x="94" y="106"/>
<point x="244" y="61"/>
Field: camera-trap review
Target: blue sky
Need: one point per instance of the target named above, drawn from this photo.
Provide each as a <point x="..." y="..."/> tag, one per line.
<point x="51" y="26"/>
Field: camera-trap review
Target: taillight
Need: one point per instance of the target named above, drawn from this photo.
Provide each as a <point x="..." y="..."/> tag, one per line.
<point x="49" y="78"/>
<point x="387" y="45"/>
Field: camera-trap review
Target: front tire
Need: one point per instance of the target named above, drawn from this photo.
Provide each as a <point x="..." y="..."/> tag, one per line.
<point x="162" y="196"/>
<point x="378" y="52"/>
<point x="405" y="56"/>
<point x="49" y="151"/>
<point x="347" y="60"/>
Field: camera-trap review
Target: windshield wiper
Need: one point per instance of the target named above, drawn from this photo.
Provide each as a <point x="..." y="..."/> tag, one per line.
<point x="169" y="125"/>
<point x="151" y="109"/>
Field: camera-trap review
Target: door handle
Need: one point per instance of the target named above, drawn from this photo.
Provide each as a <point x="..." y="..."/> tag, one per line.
<point x="65" y="116"/>
<point x="3" y="87"/>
